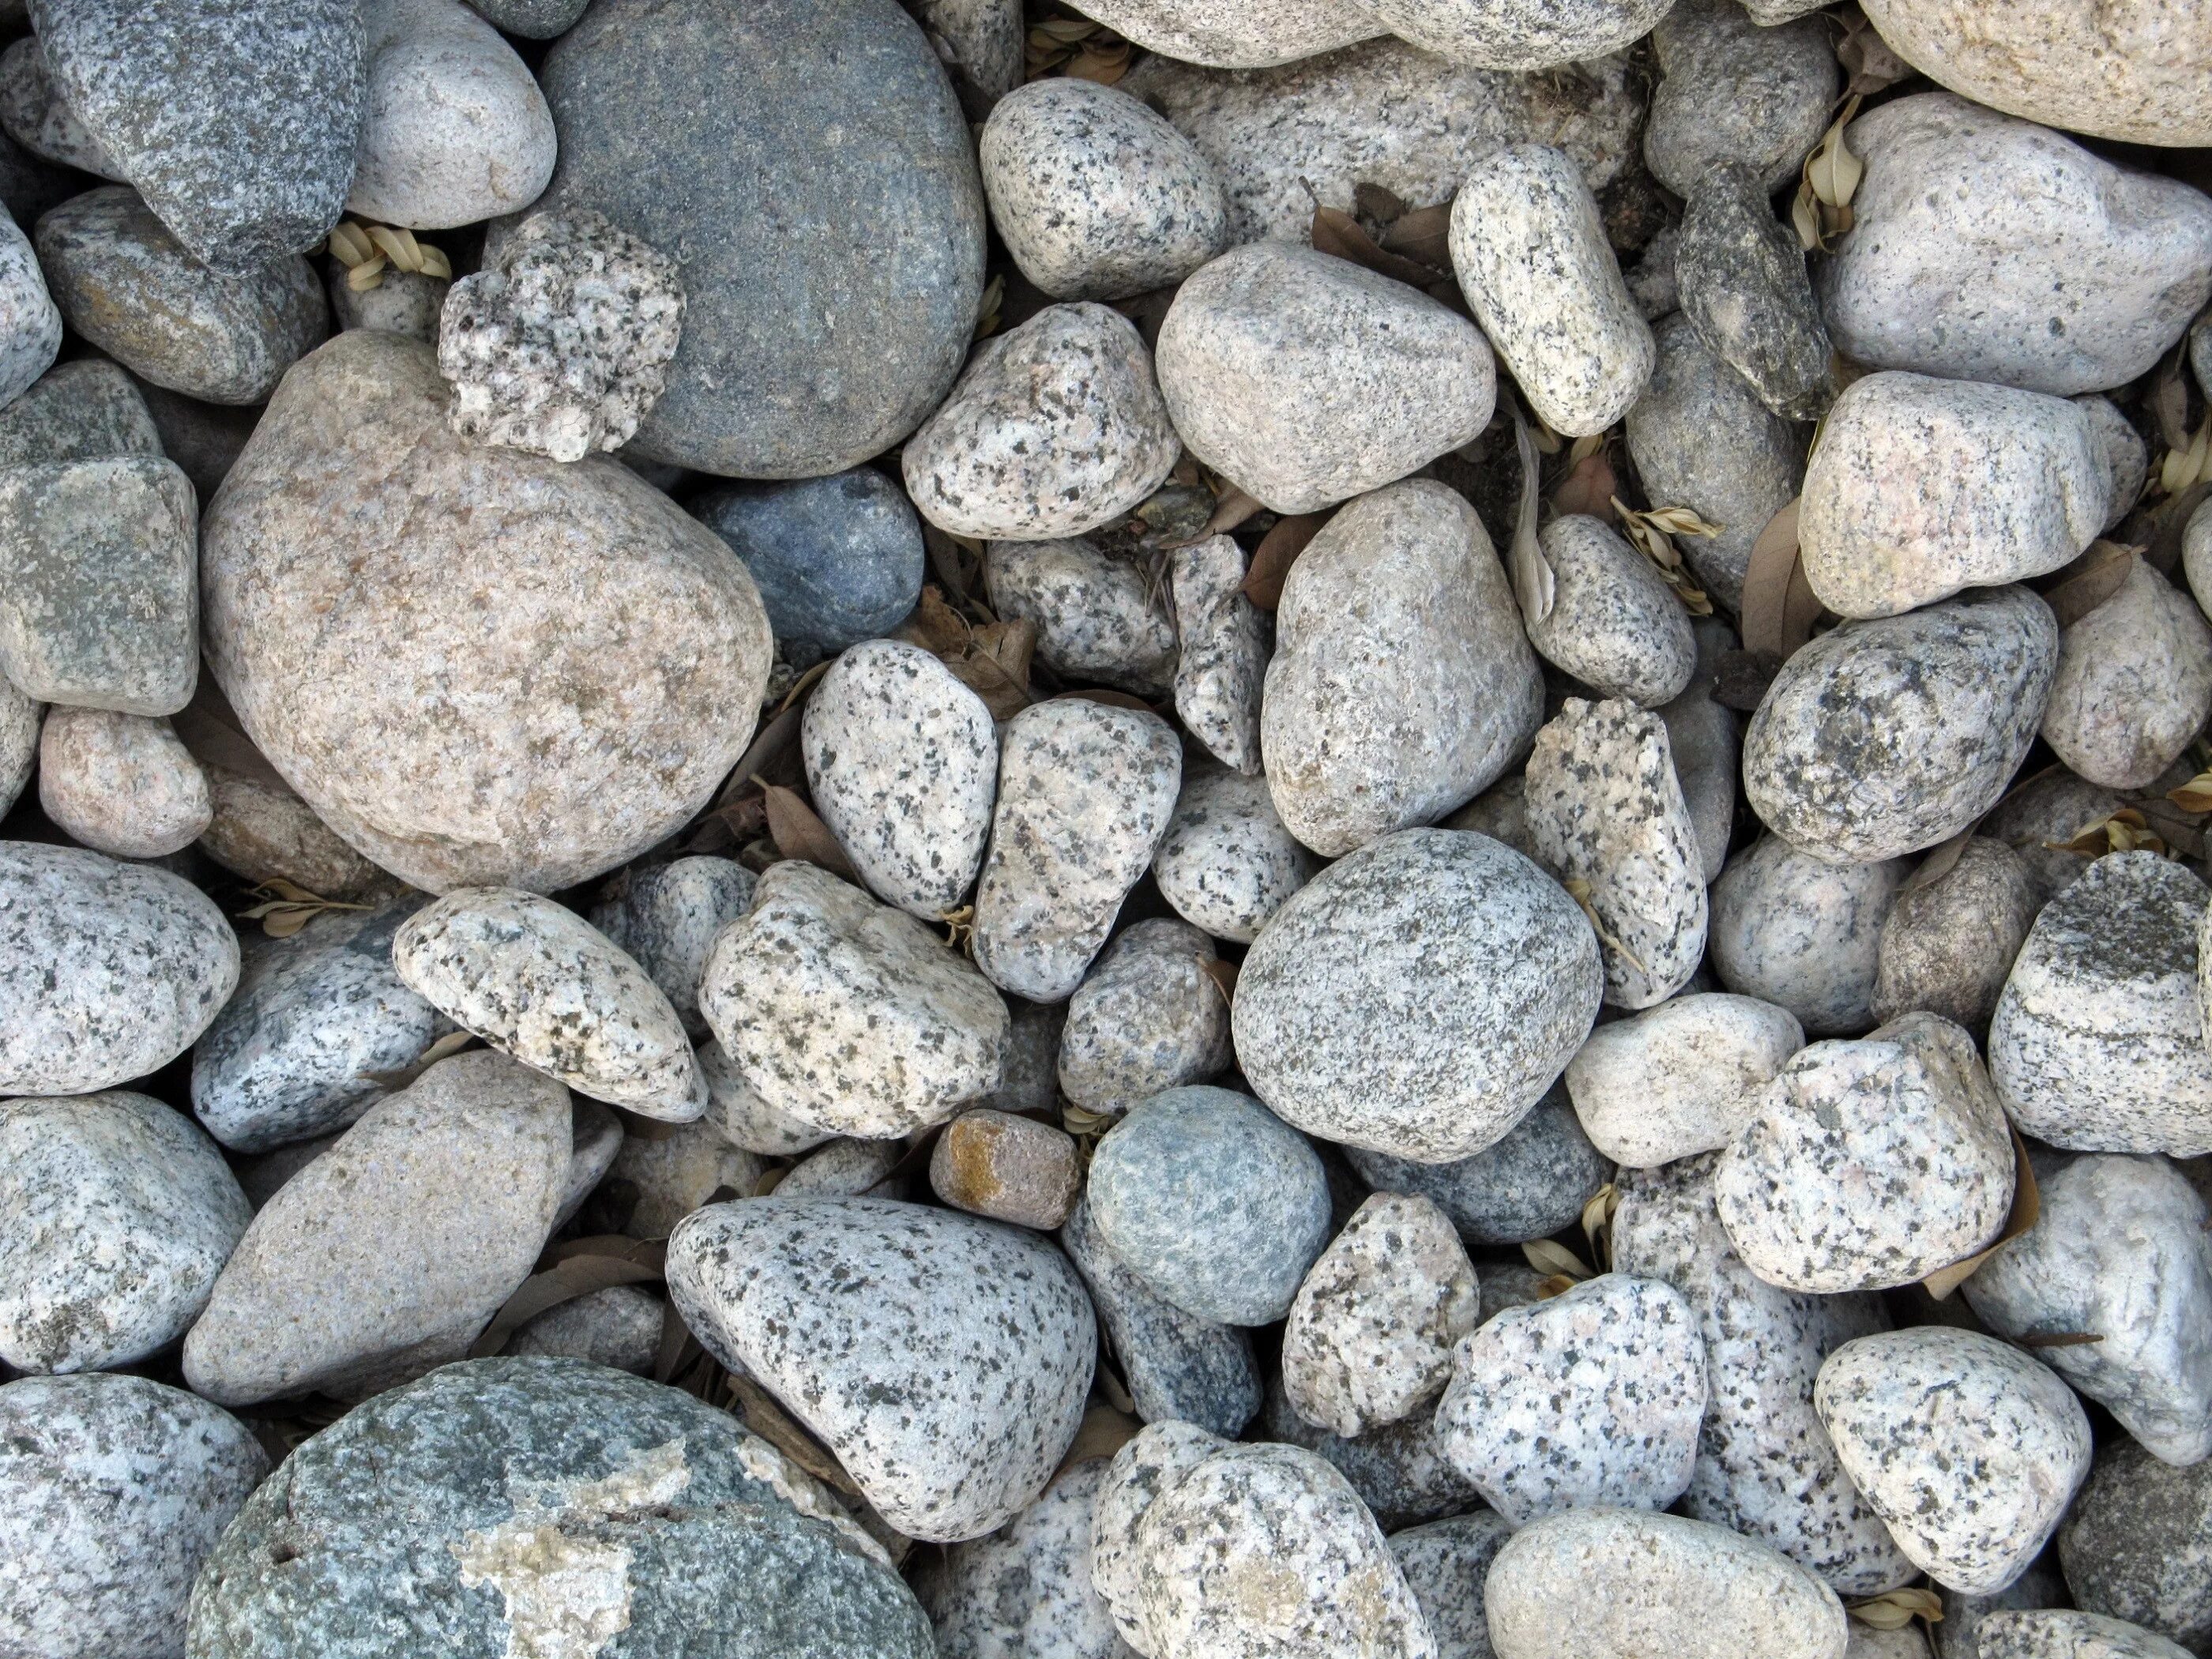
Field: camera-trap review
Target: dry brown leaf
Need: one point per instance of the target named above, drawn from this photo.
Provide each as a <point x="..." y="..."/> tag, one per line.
<point x="1338" y="232"/>
<point x="1866" y="56"/>
<point x="1104" y="1431"/>
<point x="2126" y="831"/>
<point x="1223" y="975"/>
<point x="1278" y="551"/>
<point x="801" y="834"/>
<point x="1423" y="235"/>
<point x="1104" y="63"/>
<point x="2026" y="1205"/>
<point x="2090" y="580"/>
<point x="444" y="1048"/>
<point x="1081" y="1121"/>
<point x="2167" y="398"/>
<point x="1897" y="1608"/>
<point x="1822" y="208"/>
<point x="1548" y="1256"/>
<point x="2060" y="1339"/>
<point x="1534" y="586"/>
<point x="2194" y="796"/>
<point x="1589" y="485"/>
<point x="367" y="251"/>
<point x="1597" y="1222"/>
<point x="1940" y="862"/>
<point x="284" y="907"/>
<point x="1779" y="606"/>
<point x="1652" y="533"/>
<point x="1232" y="508"/>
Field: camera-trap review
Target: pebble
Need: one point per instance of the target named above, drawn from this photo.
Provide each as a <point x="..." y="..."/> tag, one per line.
<point x="86" y="410"/>
<point x="1097" y="617"/>
<point x="1233" y="34"/>
<point x="2039" y="816"/>
<point x="33" y="113"/>
<point x="533" y="20"/>
<point x="673" y="1175"/>
<point x="1796" y="931"/>
<point x="949" y="1393"/>
<point x="1149" y="1015"/>
<point x="1743" y="286"/>
<point x="2040" y="1587"/>
<point x="1947" y="946"/>
<point x="469" y="694"/>
<point x="1986" y="248"/>
<point x="2134" y="1544"/>
<point x="1094" y="195"/>
<point x="1029" y="1083"/>
<point x="30" y="326"/>
<point x="1226" y="863"/>
<point x="1356" y="1022"/>
<point x="1705" y="738"/>
<point x="1084" y="791"/>
<point x="2120" y="447"/>
<point x="1968" y="1448"/>
<point x="1027" y="1589"/>
<point x="2062" y="1635"/>
<point x="385" y="1256"/>
<point x="1399" y="1470"/>
<point x="112" y="969"/>
<point x="847" y="1014"/>
<point x="1530" y="1183"/>
<point x="1530" y="250"/>
<point x="665" y="919"/>
<point x="745" y="1119"/>
<point x="1445" y="1563"/>
<point x="1306" y="380"/>
<point x="1225" y="651"/>
<point x="121" y="784"/>
<point x="619" y="1326"/>
<point x="1005" y="1167"/>
<point x="1734" y="91"/>
<point x="2133" y="683"/>
<point x="403" y="302"/>
<point x="1614" y="624"/>
<point x="596" y="1137"/>
<point x="1886" y="737"/>
<point x="983" y="43"/>
<point x="848" y="1168"/>
<point x="20" y="720"/>
<point x="112" y="1491"/>
<point x="2097" y="1044"/>
<point x="1511" y="34"/>
<point x="204" y="439"/>
<point x="1402" y="683"/>
<point x="1681" y="1077"/>
<point x="536" y="982"/>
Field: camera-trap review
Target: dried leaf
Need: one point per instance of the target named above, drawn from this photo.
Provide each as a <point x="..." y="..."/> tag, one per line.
<point x="986" y="316"/>
<point x="580" y="1267"/>
<point x="1940" y="862"/>
<point x="1651" y="533"/>
<point x="2026" y="1205"/>
<point x="1233" y="508"/>
<point x="1534" y="584"/>
<point x="2059" y="1338"/>
<point x="936" y="627"/>
<point x="802" y="685"/>
<point x="2125" y="831"/>
<point x="1556" y="1285"/>
<point x="2185" y="466"/>
<point x="363" y="277"/>
<point x="1866" y="56"/>
<point x="1597" y="1222"/>
<point x="350" y="244"/>
<point x="436" y="263"/>
<point x="285" y="908"/>
<point x="996" y="666"/>
<point x="1548" y="1256"/>
<point x="444" y="1048"/>
<point x="1588" y="486"/>
<point x="1897" y="1609"/>
<point x="1779" y="606"/>
<point x="1423" y="235"/>
<point x="2090" y="580"/>
<point x="1338" y="232"/>
<point x="1103" y="62"/>
<point x="2194" y="796"/>
<point x="1110" y="1384"/>
<point x="1829" y="179"/>
<point x="1081" y="1121"/>
<point x="1377" y="201"/>
<point x="1578" y="890"/>
<point x="1223" y="975"/>
<point x="1278" y="551"/>
<point x="800" y="834"/>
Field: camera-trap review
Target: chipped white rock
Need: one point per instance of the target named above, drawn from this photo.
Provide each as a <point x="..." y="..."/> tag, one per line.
<point x="1949" y="943"/>
<point x="1225" y="651"/>
<point x="1794" y="930"/>
<point x="1614" y="624"/>
<point x="670" y="1175"/>
<point x="666" y="917"/>
<point x="2133" y="683"/>
<point x="1148" y="1016"/>
<point x="1518" y="34"/>
<point x="902" y="762"/>
<point x="1402" y="683"/>
<point x="1026" y="1589"/>
<point x="746" y="1120"/>
<point x="1540" y="277"/>
<point x="1306" y="380"/>
<point x="1968" y="1448"/>
<point x="1234" y="34"/>
<point x="122" y="784"/>
<point x="1681" y="1077"/>
<point x="1097" y="616"/>
<point x="1227" y="863"/>
<point x="1734" y="91"/>
<point x="1445" y="1563"/>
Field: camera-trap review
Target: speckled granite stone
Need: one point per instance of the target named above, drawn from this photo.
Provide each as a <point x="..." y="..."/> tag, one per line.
<point x="665" y="919"/>
<point x="618" y="1327"/>
<point x="1947" y="946"/>
<point x="673" y="1175"/>
<point x="1224" y="652"/>
<point x="1025" y="1590"/>
<point x="1146" y="1464"/>
<point x="1007" y="1168"/>
<point x="1099" y="617"/>
<point x="1734" y="91"/>
<point x="1793" y="930"/>
<point x="1226" y="863"/>
<point x="2123" y="456"/>
<point x="848" y="1168"/>
<point x="1740" y="277"/>
<point x="121" y="784"/>
<point x="1706" y="739"/>
<point x="1529" y="1183"/>
<point x="2062" y="1635"/>
<point x="85" y="410"/>
<point x="2137" y="1543"/>
<point x="1445" y="1563"/>
<point x="2134" y="683"/>
<point x="1147" y="1016"/>
<point x="30" y="326"/>
<point x="35" y="114"/>
<point x="1681" y="1077"/>
<point x="1614" y="624"/>
<point x="533" y="20"/>
<point x="1519" y="34"/>
<point x="1958" y="1635"/>
<point x="745" y="1119"/>
<point x="1233" y="34"/>
<point x="403" y="302"/>
<point x="1399" y="1470"/>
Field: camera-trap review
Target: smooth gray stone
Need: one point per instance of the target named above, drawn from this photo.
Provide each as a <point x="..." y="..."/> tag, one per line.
<point x="1399" y="1470"/>
<point x="35" y="115"/>
<point x="1734" y="91"/>
<point x="2137" y="1543"/>
<point x="1948" y="945"/>
<point x="1445" y="1563"/>
<point x="204" y="439"/>
<point x="1743" y="285"/>
<point x="666" y="919"/>
<point x="86" y="410"/>
<point x="1802" y="933"/>
<point x="1530" y="1184"/>
<point x="2068" y="1635"/>
<point x="619" y="1326"/>
<point x="533" y="20"/>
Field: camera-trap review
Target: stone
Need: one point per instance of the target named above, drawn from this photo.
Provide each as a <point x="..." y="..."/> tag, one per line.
<point x="1530" y="1183"/>
<point x="1225" y="651"/>
<point x="596" y="1137"/>
<point x="1097" y="616"/>
<point x="455" y="130"/>
<point x="1681" y="1077"/>
<point x="1511" y="34"/>
<point x="533" y="20"/>
<point x="665" y="919"/>
<point x="1969" y="1449"/>
<point x="1028" y="1085"/>
<point x="847" y="1014"/>
<point x="1357" y="1022"/>
<point x="33" y="113"/>
<point x="1706" y="740"/>
<point x="1149" y="1015"/>
<point x="1445" y="1563"/>
<point x="845" y="313"/>
<point x="1986" y="248"/>
<point x="204" y="439"/>
<point x="1743" y="286"/>
<point x="1233" y="34"/>
<point x="409" y="302"/>
<point x="121" y="784"/>
<point x="528" y="683"/>
<point x="546" y="1506"/>
<point x="745" y="1119"/>
<point x="1607" y="811"/>
<point x="2133" y="683"/>
<point x="1084" y="791"/>
<point x="2134" y="1544"/>
<point x="1614" y="624"/>
<point x="1005" y="1167"/>
<point x="20" y="719"/>
<point x="1651" y="279"/>
<point x="2124" y="456"/>
<point x="2040" y="1586"/>
<point x="1802" y="933"/>
<point x="112" y="1491"/>
<point x="675" y="1175"/>
<point x="85" y="410"/>
<point x="2038" y="818"/>
<point x="983" y="43"/>
<point x="562" y="343"/>
<point x="2097" y="1044"/>
<point x="979" y="1335"/>
<point x="1885" y="737"/>
<point x="2060" y="1635"/>
<point x="386" y="1256"/>
<point x="30" y="326"/>
<point x="112" y="969"/>
<point x="1592" y="1582"/>
<point x="1226" y="863"/>
<point x="1026" y="1590"/>
<point x="1399" y="1470"/>
<point x="2197" y="552"/>
<point x="1402" y="683"/>
<point x="1869" y="1164"/>
<point x="1947" y="944"/>
<point x="1306" y="380"/>
<point x="618" y="1327"/>
<point x="259" y="828"/>
<point x="848" y="1168"/>
<point x="1530" y="251"/>
<point x="1094" y="195"/>
<point x="1734" y="91"/>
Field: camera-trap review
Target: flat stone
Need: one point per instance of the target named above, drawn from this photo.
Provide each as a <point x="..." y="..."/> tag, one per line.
<point x="848" y="1168"/>
<point x="1399" y="1470"/>
<point x="85" y="410"/>
<point x="745" y="1119"/>
<point x="1026" y="1590"/>
<point x="1614" y="624"/>
<point x="1098" y="616"/>
<point x="35" y="114"/>
<point x="666" y="921"/>
<point x="1734" y="91"/>
<point x="674" y="1174"/>
<point x="1510" y="34"/>
<point x="2134" y="1544"/>
<point x="1741" y="277"/>
<point x="1802" y="933"/>
<point x="1681" y="1077"/>
<point x="2060" y="1635"/>
<point x="1227" y="863"/>
<point x="2040" y="816"/>
<point x="2134" y="683"/>
<point x="121" y="784"/>
<point x="1530" y="1183"/>
<point x="1947" y="946"/>
<point x="1233" y="34"/>
<point x="1007" y="1168"/>
<point x="1225" y="651"/>
<point x="1148" y="1016"/>
<point x="618" y="1327"/>
<point x="1445" y="1563"/>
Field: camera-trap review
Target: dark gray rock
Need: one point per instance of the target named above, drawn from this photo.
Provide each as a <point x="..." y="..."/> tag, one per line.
<point x="37" y="115"/>
<point x="87" y="410"/>
<point x="2137" y="1544"/>
<point x="1734" y="91"/>
<point x="1743" y="286"/>
<point x="1528" y="1185"/>
<point x="619" y="1325"/>
<point x="204" y="439"/>
<point x="28" y="185"/>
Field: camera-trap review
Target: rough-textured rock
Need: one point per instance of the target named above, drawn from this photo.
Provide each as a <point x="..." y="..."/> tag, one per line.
<point x="665" y="1178"/>
<point x="745" y="1119"/>
<point x="1225" y="651"/>
<point x="1947" y="944"/>
<point x="204" y="439"/>
<point x="1226" y="863"/>
<point x="2037" y="817"/>
<point x="2133" y="683"/>
<point x="410" y="302"/>
<point x="1681" y="1077"/>
<point x="983" y="42"/>
<point x="848" y="1168"/>
<point x="1741" y="276"/>
<point x="1029" y="1083"/>
<point x="86" y="410"/>
<point x="1614" y="624"/>
<point x="35" y="114"/>
<point x="1148" y="1016"/>
<point x="1733" y="91"/>
<point x="2063" y="1635"/>
<point x="1958" y="1635"/>
<point x="1099" y="617"/>
<point x="1445" y="1563"/>
<point x="121" y="784"/>
<point x="20" y="722"/>
<point x="1233" y="34"/>
<point x="1027" y="1589"/>
<point x="665" y="919"/>
<point x="30" y="326"/>
<point x="1006" y="1168"/>
<point x="1796" y="931"/>
<point x="1530" y="1183"/>
<point x="1703" y="737"/>
<point x="1399" y="1470"/>
<point x="2124" y="456"/>
<point x="2134" y="1544"/>
<point x="619" y="1325"/>
<point x="1515" y="34"/>
<point x="533" y="20"/>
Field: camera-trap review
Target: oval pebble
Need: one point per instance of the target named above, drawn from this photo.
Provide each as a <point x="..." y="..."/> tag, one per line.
<point x="665" y="919"/>
<point x="1802" y="933"/>
<point x="1149" y="1015"/>
<point x="1950" y="941"/>
<point x="1614" y="624"/>
<point x="1097" y="616"/>
<point x="2133" y="683"/>
<point x="1529" y="1183"/>
<point x="1226" y="863"/>
<point x="1006" y="1168"/>
<point x="122" y="784"/>
<point x="1681" y="1077"/>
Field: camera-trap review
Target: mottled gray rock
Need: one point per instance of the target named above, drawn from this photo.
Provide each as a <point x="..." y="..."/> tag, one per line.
<point x="1226" y="864"/>
<point x="746" y="1120"/>
<point x="1681" y="1077"/>
<point x="1530" y="1183"/>
<point x="1445" y="1563"/>
<point x="1233" y="34"/>
<point x="983" y="42"/>
<point x="1704" y="738"/>
<point x="1614" y="624"/>
<point x="112" y="1491"/>
<point x="848" y="1168"/>
<point x="619" y="1326"/>
<point x="1794" y="930"/>
<point x="533" y="20"/>
<point x="407" y="302"/>
<point x="665" y="919"/>
<point x="1026" y="1590"/>
<point x="2121" y="449"/>
<point x="86" y="410"/>
<point x="1948" y="944"/>
<point x="2062" y="1635"/>
<point x="1006" y="1168"/>
<point x="20" y="722"/>
<point x="1741" y="277"/>
<point x="2037" y="817"/>
<point x="30" y="326"/>
<point x="1097" y="616"/>
<point x="121" y="784"/>
<point x="1958" y="1635"/>
<point x="1147" y="1016"/>
<point x="595" y="1137"/>
<point x="33" y="113"/>
<point x="1223" y="652"/>
<point x="672" y="1175"/>
<point x="979" y="1336"/>
<point x="204" y="439"/>
<point x="2134" y="1544"/>
<point x="1029" y="1081"/>
<point x="1307" y="379"/>
<point x="1399" y="1470"/>
<point x="1733" y="91"/>
<point x="2133" y="683"/>
<point x="1517" y="34"/>
<point x="2196" y="551"/>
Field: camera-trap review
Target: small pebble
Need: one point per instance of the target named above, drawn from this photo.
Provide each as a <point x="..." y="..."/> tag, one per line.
<point x="1223" y="655"/>
<point x="619" y="1325"/>
<point x="1006" y="1168"/>
<point x="672" y="1175"/>
<point x="1445" y="1563"/>
<point x="121" y="784"/>
<point x="665" y="919"/>
<point x="1148" y="1016"/>
<point x="848" y="1168"/>
<point x="1530" y="1183"/>
<point x="1226" y="864"/>
<point x="2134" y="1545"/>
<point x="1681" y="1077"/>
<point x="409" y="302"/>
<point x="2133" y="683"/>
<point x="1947" y="944"/>
<point x="1097" y="616"/>
<point x="1734" y="91"/>
<point x="1741" y="277"/>
<point x="1614" y="624"/>
<point x="1803" y="934"/>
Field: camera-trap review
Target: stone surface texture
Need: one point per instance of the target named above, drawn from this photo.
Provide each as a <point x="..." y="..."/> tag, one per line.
<point x="1681" y="1077"/>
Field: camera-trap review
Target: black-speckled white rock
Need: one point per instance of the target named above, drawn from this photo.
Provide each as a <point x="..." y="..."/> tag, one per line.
<point x="1148" y="1463"/>
<point x="1594" y="1583"/>
<point x="670" y="1175"/>
<point x="1445" y="1563"/>
<point x="1360" y="1022"/>
<point x="1147" y="1016"/>
<point x="1532" y="256"/>
<point x="1968" y="1448"/>
<point x="387" y="1254"/>
<point x="1870" y="1164"/>
<point x="1922" y="487"/>
<point x="1226" y="863"/>
<point x="1794" y="930"/>
<point x="1096" y="196"/>
<point x="1097" y="616"/>
<point x="1402" y="683"/>
<point x="2098" y="1043"/>
<point x="1740" y="277"/>
<point x="619" y="1325"/>
<point x="535" y="980"/>
<point x="1987" y="248"/>
<point x="1733" y="91"/>
<point x="1529" y="1184"/>
<point x="848" y="1168"/>
<point x="2134" y="683"/>
<point x="1606" y="809"/>
<point x="1233" y="34"/>
<point x="1399" y="1470"/>
<point x="121" y="784"/>
<point x="112" y="1491"/>
<point x="1681" y="1077"/>
<point x="1084" y="791"/>
<point x="746" y="1120"/>
<point x="1517" y="34"/>
<point x="950" y="1392"/>
<point x="847" y="1014"/>
<point x="667" y="918"/>
<point x="1307" y="379"/>
<point x="1885" y="737"/>
<point x="1614" y="624"/>
<point x="86" y="410"/>
<point x="2067" y="1635"/>
<point x="112" y="969"/>
<point x="2040" y="1586"/>
<point x="2134" y="1545"/>
<point x="1223" y="652"/>
<point x="1947" y="944"/>
<point x="1025" y="1590"/>
<point x="35" y="114"/>
<point x="1705" y="740"/>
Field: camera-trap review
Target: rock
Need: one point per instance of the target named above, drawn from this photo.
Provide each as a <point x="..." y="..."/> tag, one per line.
<point x="1225" y="651"/>
<point x="520" y="1505"/>
<point x="204" y="439"/>
<point x="847" y="1014"/>
<point x="1530" y="1183"/>
<point x="596" y="1137"/>
<point x="30" y="327"/>
<point x="2133" y="1545"/>
<point x="1701" y="439"/>
<point x="2125" y="456"/>
<point x="1968" y="1449"/>
<point x="848" y="1168"/>
<point x="2197" y="552"/>
<point x="533" y="20"/>
<point x="20" y="724"/>
<point x="2097" y="1044"/>
<point x="1947" y="944"/>
<point x="1399" y="1470"/>
<point x="1530" y="251"/>
<point x="1651" y="279"/>
<point x="1026" y="1590"/>
<point x="407" y="302"/>
<point x="2039" y="817"/>
<point x="112" y="1491"/>
<point x="112" y="969"/>
<point x="1233" y="34"/>
<point x="1096" y="616"/>
<point x="1226" y="863"/>
<point x="1594" y="1581"/>
<point x="385" y="1256"/>
<point x="1029" y="1085"/>
<point x="86" y="410"/>
<point x="2134" y="683"/>
<point x="491" y="693"/>
<point x="845" y="313"/>
<point x="1445" y="1563"/>
<point x="837" y="559"/>
<point x="1358" y="1024"/>
<point x="2060" y="1635"/>
<point x="1793" y="930"/>
<point x="2040" y="1586"/>
<point x="1006" y="1168"/>
<point x="745" y="1119"/>
<point x="1085" y="791"/>
<point x="1985" y="248"/>
<point x="260" y="829"/>
<point x="35" y="115"/>
<point x="983" y="42"/>
<point x="1885" y="737"/>
<point x="455" y="128"/>
<point x="1703" y="737"/>
<point x="1402" y="683"/>
<point x="1681" y="1077"/>
<point x="122" y="784"/>
<point x="129" y="286"/>
<point x="1870" y="1164"/>
<point x="675" y="1174"/>
<point x="1371" y="1333"/>
<point x="665" y="919"/>
<point x="1614" y="624"/>
<point x="1734" y="91"/>
<point x="1606" y="810"/>
<point x="1149" y="1015"/>
<point x="979" y="1335"/>
<point x="1743" y="286"/>
<point x="1307" y="379"/>
<point x="619" y="1326"/>
<point x="1094" y="195"/>
<point x="1510" y="34"/>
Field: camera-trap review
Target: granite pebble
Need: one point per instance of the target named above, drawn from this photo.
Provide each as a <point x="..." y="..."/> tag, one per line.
<point x="1802" y="933"/>
<point x="1529" y="1183"/>
<point x="1226" y="863"/>
<point x="121" y="784"/>
<point x="1681" y="1077"/>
